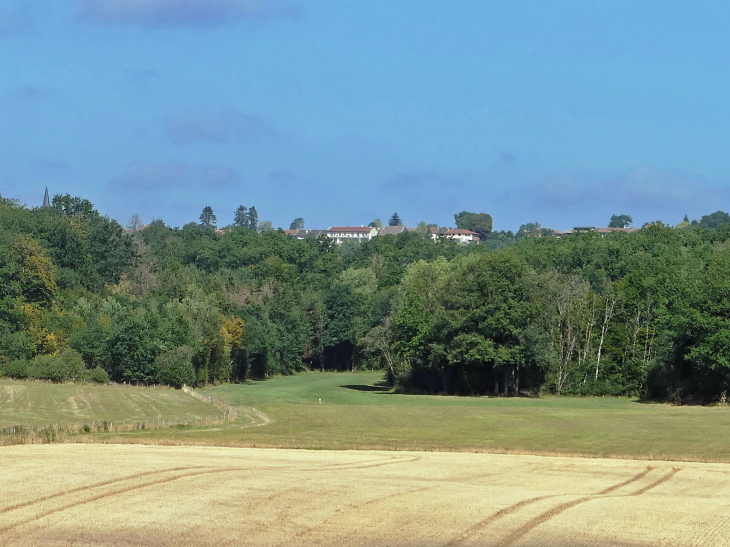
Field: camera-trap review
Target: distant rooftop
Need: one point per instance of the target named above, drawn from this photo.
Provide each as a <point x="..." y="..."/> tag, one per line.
<point x="350" y="229"/>
<point x="391" y="230"/>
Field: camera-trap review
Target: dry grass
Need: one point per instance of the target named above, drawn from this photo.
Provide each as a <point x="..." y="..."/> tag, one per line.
<point x="121" y="495"/>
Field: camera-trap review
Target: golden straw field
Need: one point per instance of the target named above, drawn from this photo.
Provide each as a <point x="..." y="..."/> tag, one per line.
<point x="75" y="494"/>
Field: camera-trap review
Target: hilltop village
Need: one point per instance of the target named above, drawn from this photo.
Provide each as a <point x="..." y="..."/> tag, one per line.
<point x="471" y="228"/>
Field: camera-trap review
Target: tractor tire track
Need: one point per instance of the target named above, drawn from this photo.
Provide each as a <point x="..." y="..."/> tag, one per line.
<point x="490" y="519"/>
<point x="378" y="464"/>
<point x="552" y="513"/>
<point x="362" y="465"/>
<point x="512" y="508"/>
<point x="113" y="493"/>
<point x="340" y="510"/>
<point x="626" y="482"/>
<point x="664" y="479"/>
<point x="94" y="485"/>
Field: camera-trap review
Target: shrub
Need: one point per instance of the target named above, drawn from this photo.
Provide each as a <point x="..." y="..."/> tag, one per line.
<point x="175" y="367"/>
<point x="97" y="375"/>
<point x="16" y="345"/>
<point x="58" y="368"/>
<point x="16" y="369"/>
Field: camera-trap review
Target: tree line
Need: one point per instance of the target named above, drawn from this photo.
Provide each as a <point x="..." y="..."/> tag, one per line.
<point x="641" y="314"/>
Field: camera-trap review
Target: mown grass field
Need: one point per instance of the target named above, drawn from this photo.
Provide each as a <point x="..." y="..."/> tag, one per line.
<point x="358" y="413"/>
<point x="35" y="403"/>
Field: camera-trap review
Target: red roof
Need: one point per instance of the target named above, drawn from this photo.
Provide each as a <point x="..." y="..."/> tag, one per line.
<point x="349" y="229"/>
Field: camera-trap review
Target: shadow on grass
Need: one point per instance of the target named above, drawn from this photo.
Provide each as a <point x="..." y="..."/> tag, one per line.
<point x="380" y="387"/>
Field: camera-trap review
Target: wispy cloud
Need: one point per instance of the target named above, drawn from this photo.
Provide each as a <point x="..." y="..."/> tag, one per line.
<point x="31" y="93"/>
<point x="194" y="127"/>
<point x="145" y="176"/>
<point x="506" y="158"/>
<point x="282" y="177"/>
<point x="186" y="13"/>
<point x="644" y="187"/>
<point x="410" y="183"/>
<point x="52" y="164"/>
<point x="15" y="20"/>
<point x="143" y="76"/>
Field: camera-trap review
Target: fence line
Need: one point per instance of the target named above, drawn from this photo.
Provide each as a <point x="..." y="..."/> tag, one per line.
<point x="227" y="410"/>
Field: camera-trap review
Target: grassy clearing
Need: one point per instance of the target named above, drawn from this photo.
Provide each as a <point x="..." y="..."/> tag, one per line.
<point x="41" y="403"/>
<point x="358" y="413"/>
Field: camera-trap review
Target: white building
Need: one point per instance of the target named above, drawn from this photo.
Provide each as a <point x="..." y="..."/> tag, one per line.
<point x="358" y="233"/>
<point x="461" y="236"/>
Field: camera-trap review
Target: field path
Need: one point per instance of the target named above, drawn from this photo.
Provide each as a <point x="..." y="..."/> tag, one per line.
<point x="154" y="495"/>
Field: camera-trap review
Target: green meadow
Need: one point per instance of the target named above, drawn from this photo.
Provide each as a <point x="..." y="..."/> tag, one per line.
<point x="358" y="412"/>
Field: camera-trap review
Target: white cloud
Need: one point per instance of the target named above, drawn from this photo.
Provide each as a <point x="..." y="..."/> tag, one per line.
<point x="145" y="176"/>
<point x="225" y="127"/>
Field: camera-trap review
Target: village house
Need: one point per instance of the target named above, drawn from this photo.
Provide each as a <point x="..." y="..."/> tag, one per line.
<point x="461" y="236"/>
<point x="391" y="230"/>
<point x="582" y="229"/>
<point x="305" y="234"/>
<point x="358" y="233"/>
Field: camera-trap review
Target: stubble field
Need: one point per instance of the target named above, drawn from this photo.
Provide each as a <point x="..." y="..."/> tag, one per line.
<point x="155" y="495"/>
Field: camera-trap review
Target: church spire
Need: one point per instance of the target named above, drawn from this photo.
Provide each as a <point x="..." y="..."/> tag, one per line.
<point x="46" y="201"/>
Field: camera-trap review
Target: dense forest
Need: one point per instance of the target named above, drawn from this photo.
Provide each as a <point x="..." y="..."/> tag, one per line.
<point x="644" y="313"/>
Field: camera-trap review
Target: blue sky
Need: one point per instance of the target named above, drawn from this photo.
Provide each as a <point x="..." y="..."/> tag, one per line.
<point x="560" y="112"/>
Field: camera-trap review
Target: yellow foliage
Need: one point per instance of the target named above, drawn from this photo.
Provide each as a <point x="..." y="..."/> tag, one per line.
<point x="232" y="331"/>
<point x="123" y="286"/>
<point x="53" y="343"/>
<point x="37" y="273"/>
<point x="34" y="315"/>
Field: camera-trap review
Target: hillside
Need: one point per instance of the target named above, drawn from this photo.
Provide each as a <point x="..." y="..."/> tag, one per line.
<point x="42" y="403"/>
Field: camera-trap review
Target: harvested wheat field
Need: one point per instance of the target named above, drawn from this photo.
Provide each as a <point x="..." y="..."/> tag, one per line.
<point x="153" y="495"/>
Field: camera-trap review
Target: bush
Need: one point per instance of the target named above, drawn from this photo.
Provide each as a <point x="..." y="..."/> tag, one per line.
<point x="66" y="366"/>
<point x="16" y="369"/>
<point x="16" y="345"/>
<point x="97" y="375"/>
<point x="175" y="367"/>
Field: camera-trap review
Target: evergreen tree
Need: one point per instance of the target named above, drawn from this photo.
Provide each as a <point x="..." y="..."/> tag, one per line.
<point x="395" y="220"/>
<point x="207" y="217"/>
<point x="240" y="218"/>
<point x="253" y="218"/>
<point x="298" y="224"/>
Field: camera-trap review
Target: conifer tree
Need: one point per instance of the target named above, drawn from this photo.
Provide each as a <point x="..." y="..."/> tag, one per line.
<point x="240" y="218"/>
<point x="207" y="217"/>
<point x="253" y="218"/>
